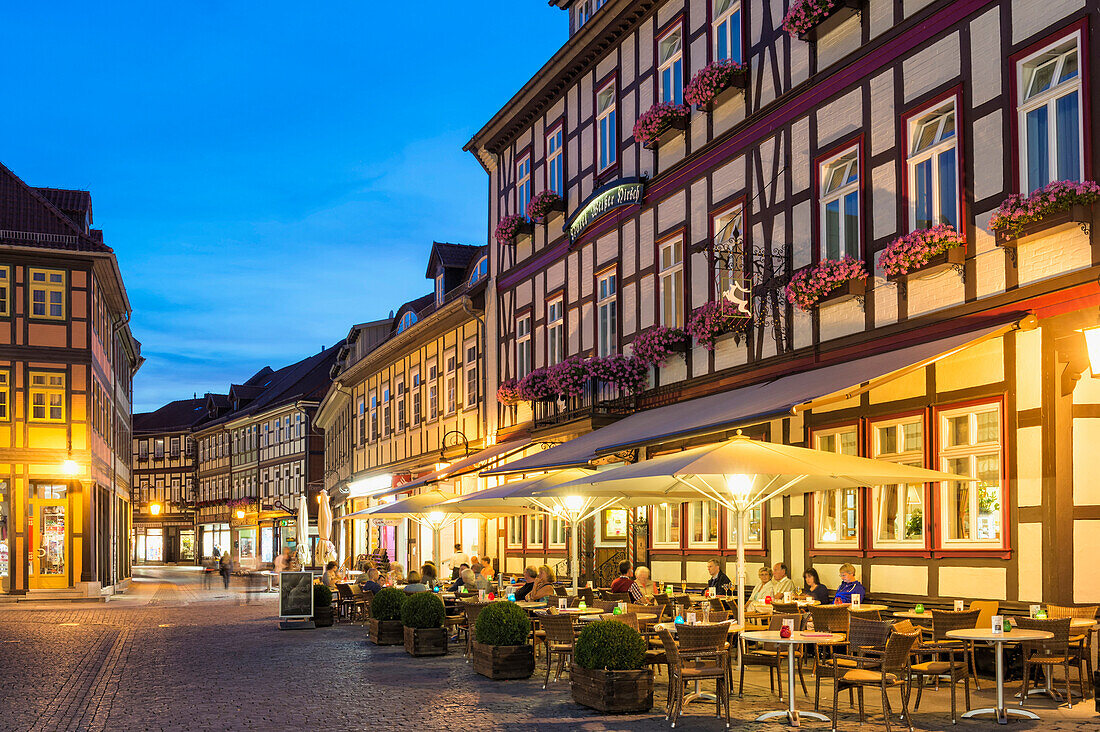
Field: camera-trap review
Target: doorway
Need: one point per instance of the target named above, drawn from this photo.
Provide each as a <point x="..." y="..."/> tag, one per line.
<point x="48" y="536"/>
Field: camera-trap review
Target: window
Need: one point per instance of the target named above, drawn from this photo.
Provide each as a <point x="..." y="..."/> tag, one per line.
<point x="481" y="270"/>
<point x="555" y="162"/>
<point x="670" y="67"/>
<point x="728" y="256"/>
<point x="933" y="169"/>
<point x="555" y="332"/>
<point x="535" y="529"/>
<point x="584" y="12"/>
<point x="416" y="396"/>
<point x="439" y="292"/>
<point x="452" y="383"/>
<point x="1050" y="115"/>
<point x="361" y="420"/>
<point x="607" y="313"/>
<point x="5" y="291"/>
<point x="433" y="392"/>
<point x="5" y="395"/>
<point x="836" y="513"/>
<point x="558" y="530"/>
<point x="755" y="535"/>
<point x="840" y="206"/>
<point x="515" y="531"/>
<point x="702" y="523"/>
<point x="408" y="319"/>
<point x="523" y="347"/>
<point x="671" y="266"/>
<point x="726" y="30"/>
<point x="387" y="406"/>
<point x="158" y="448"/>
<point x="970" y="444"/>
<point x="523" y="184"/>
<point x="899" y="509"/>
<point x="401" y="405"/>
<point x="48" y="397"/>
<point x="607" y="130"/>
<point x="373" y="416"/>
<point x="175" y="447"/>
<point x="48" y="293"/>
<point x="471" y="374"/>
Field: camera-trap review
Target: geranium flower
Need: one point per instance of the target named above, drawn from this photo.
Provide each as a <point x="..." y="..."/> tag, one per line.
<point x="805" y="14"/>
<point x="657" y="119"/>
<point x="1018" y="211"/>
<point x="809" y="285"/>
<point x="509" y="227"/>
<point x="715" y="318"/>
<point x="913" y="250"/>
<point x="711" y="81"/>
<point x="655" y="345"/>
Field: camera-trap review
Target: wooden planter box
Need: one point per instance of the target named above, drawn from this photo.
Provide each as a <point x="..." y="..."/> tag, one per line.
<point x="526" y="229"/>
<point x="847" y="291"/>
<point x="736" y="86"/>
<point x="681" y="346"/>
<point x="1077" y="215"/>
<point x="612" y="691"/>
<point x="504" y="662"/>
<point x="844" y="9"/>
<point x="386" y="632"/>
<point x="953" y="257"/>
<point x="556" y="209"/>
<point x="672" y="130"/>
<point x="322" y="616"/>
<point x="425" y="641"/>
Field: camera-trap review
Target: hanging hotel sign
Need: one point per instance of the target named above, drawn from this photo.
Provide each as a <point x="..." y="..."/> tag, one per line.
<point x="623" y="192"/>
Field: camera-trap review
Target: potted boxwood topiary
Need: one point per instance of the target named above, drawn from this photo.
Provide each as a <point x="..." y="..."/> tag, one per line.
<point x="385" y="617"/>
<point x="609" y="672"/>
<point x="422" y="614"/>
<point x="322" y="606"/>
<point x="501" y="650"/>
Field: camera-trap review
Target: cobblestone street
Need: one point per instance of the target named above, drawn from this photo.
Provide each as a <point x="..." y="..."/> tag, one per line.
<point x="172" y="655"/>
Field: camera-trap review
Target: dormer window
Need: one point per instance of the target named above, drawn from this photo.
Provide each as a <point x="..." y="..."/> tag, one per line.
<point x="481" y="270"/>
<point x="439" y="289"/>
<point x="407" y="321"/>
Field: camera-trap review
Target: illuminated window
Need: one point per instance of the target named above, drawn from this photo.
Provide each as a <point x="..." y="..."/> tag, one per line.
<point x="703" y="523"/>
<point x="729" y="264"/>
<point x="970" y="444"/>
<point x="672" y="284"/>
<point x="5" y="395"/>
<point x="48" y="397"/>
<point x="47" y="293"/>
<point x="5" y="291"/>
<point x="523" y="347"/>
<point x="899" y="509"/>
<point x="558" y="530"/>
<point x="607" y="313"/>
<point x="515" y="531"/>
<point x="536" y="523"/>
<point x="555" y="332"/>
<point x="471" y="374"/>
<point x="836" y="512"/>
<point x="754" y="537"/>
<point x="666" y="525"/>
<point x="452" y="382"/>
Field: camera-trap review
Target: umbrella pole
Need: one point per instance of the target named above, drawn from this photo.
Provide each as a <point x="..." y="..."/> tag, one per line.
<point x="436" y="538"/>
<point x="742" y="527"/>
<point x="574" y="562"/>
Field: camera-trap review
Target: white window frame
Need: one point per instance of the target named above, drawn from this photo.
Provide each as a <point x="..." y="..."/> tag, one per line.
<point x="480" y="270"/>
<point x="400" y="392"/>
<point x="667" y="518"/>
<point x="524" y="354"/>
<point x="900" y="491"/>
<point x="607" y="313"/>
<point x="1049" y="99"/>
<point x="523" y="183"/>
<point x="708" y="517"/>
<point x="756" y="516"/>
<point x="433" y="391"/>
<point x="607" y="135"/>
<point x="723" y="280"/>
<point x="417" y="406"/>
<point x="452" y="381"/>
<point x="670" y="60"/>
<point x="555" y="160"/>
<point x="439" y="293"/>
<point x="843" y="159"/>
<point x="374" y="431"/>
<point x="536" y="530"/>
<point x="409" y="318"/>
<point x="936" y="114"/>
<point x="471" y="365"/>
<point x="970" y="451"/>
<point x="728" y="28"/>
<point x="559" y="530"/>
<point x="514" y="536"/>
<point x="839" y="497"/>
<point x="670" y="272"/>
<point x="555" y="331"/>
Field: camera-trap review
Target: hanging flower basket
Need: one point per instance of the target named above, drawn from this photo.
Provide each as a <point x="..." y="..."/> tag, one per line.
<point x="809" y="20"/>
<point x="656" y="345"/>
<point x="830" y="280"/>
<point x="535" y="386"/>
<point x="568" y="378"/>
<point x="714" y="319"/>
<point x="715" y="84"/>
<point x="660" y="123"/>
<point x="922" y="251"/>
<point x="1057" y="203"/>
<point x="508" y="393"/>
<point x="511" y="227"/>
<point x="628" y="373"/>
<point x="544" y="204"/>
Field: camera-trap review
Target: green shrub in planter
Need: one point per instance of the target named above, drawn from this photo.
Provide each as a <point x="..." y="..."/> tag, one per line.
<point x="422" y="610"/>
<point x="610" y="645"/>
<point x="322" y="596"/>
<point x="502" y="624"/>
<point x="386" y="605"/>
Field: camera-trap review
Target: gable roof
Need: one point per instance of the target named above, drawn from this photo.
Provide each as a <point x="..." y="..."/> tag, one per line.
<point x="75" y="204"/>
<point x="450" y="255"/>
<point x="28" y="218"/>
<point x="177" y="416"/>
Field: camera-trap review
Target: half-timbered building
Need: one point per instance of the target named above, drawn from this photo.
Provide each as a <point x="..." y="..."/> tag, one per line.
<point x="831" y="145"/>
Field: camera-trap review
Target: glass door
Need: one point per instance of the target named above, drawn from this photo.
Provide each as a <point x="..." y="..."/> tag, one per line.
<point x="48" y="534"/>
<point x="187" y="545"/>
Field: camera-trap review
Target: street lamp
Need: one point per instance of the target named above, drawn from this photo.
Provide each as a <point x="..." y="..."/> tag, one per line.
<point x="240" y="514"/>
<point x="154" y="508"/>
<point x="70" y="466"/>
<point x="1092" y="344"/>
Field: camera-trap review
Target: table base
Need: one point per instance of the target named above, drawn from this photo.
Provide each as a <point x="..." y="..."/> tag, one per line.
<point x="792" y="715"/>
<point x="700" y="696"/>
<point x="1002" y="716"/>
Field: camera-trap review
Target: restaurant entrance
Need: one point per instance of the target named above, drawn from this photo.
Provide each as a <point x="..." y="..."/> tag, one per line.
<point x="48" y="530"/>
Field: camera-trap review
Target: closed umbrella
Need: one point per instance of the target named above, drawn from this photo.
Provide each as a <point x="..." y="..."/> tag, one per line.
<point x="741" y="474"/>
<point x="303" y="532"/>
<point x="326" y="550"/>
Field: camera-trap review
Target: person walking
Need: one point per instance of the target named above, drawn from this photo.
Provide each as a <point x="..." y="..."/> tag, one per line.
<point x="225" y="566"/>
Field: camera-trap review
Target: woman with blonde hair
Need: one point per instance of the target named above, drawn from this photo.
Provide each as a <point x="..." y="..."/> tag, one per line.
<point x="397" y="573"/>
<point x="544" y="584"/>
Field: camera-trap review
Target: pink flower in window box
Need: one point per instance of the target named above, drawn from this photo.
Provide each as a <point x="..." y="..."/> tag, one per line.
<point x="509" y="392"/>
<point x="535" y="386"/>
<point x="544" y="204"/>
<point x="712" y="80"/>
<point x="1018" y="211"/>
<point x="912" y="251"/>
<point x="654" y="346"/>
<point x="716" y="318"/>
<point x="803" y="15"/>
<point x="568" y="378"/>
<point x="629" y="373"/>
<point x="658" y="119"/>
<point x="511" y="226"/>
<point x="810" y="285"/>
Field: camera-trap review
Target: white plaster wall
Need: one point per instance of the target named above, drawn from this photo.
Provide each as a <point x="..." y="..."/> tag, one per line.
<point x="883" y="118"/>
<point x="645" y="240"/>
<point x="979" y="364"/>
<point x="840" y="116"/>
<point x="587" y="335"/>
<point x="555" y="275"/>
<point x="671" y="211"/>
<point x="729" y="179"/>
<point x="907" y="386"/>
<point x="607" y="248"/>
<point x="626" y="70"/>
<point x="588" y="283"/>
<point x="881" y="15"/>
<point x="800" y="155"/>
<point x="1087" y="390"/>
<point x="675" y="369"/>
<point x="886" y="301"/>
<point x="630" y="323"/>
<point x="628" y="249"/>
<point x="988" y="146"/>
<point x="898" y="579"/>
<point x="911" y="6"/>
<point x="928" y="294"/>
<point x="985" y="56"/>
<point x="646" y="295"/>
<point x="1086" y="547"/>
<point x="984" y="583"/>
<point x="697" y="572"/>
<point x="700" y="213"/>
<point x="1064" y="250"/>
<point x="932" y="66"/>
<point x="803" y="329"/>
<point x="662" y="571"/>
<point x="1086" y="461"/>
<point x="801" y="249"/>
<point x="989" y="259"/>
<point x="728" y="354"/>
<point x="667" y="11"/>
<point x="884" y="200"/>
<point x="1029" y="466"/>
<point x="1030" y="566"/>
<point x="839" y="42"/>
<point x="1029" y="385"/>
<point x="1030" y="17"/>
<point x="840" y="319"/>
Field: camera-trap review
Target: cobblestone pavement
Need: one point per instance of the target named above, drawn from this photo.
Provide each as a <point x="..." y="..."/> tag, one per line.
<point x="173" y="655"/>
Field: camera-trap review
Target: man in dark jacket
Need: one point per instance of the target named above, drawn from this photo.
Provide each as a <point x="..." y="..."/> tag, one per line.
<point x="718" y="579"/>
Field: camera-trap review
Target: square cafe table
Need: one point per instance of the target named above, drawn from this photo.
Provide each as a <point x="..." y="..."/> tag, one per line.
<point x="797" y="637"/>
<point x="986" y="635"/>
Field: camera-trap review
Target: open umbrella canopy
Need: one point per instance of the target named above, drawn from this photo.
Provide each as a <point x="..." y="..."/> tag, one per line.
<point x="422" y="504"/>
<point x="514" y="498"/>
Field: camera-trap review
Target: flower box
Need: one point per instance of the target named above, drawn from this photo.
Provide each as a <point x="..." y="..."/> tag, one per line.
<point x="660" y="123"/>
<point x="668" y="132"/>
<point x="503" y="662"/>
<point x="953" y="257"/>
<point x="386" y="632"/>
<point x="544" y="206"/>
<point x="810" y="20"/>
<point x="846" y="291"/>
<point x="513" y="227"/>
<point x="830" y="280"/>
<point x="612" y="691"/>
<point x="1077" y="215"/>
<point x="425" y="641"/>
<point x="1057" y="204"/>
<point x="715" y="84"/>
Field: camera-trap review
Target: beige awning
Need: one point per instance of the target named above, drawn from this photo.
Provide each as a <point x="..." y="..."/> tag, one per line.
<point x="461" y="467"/>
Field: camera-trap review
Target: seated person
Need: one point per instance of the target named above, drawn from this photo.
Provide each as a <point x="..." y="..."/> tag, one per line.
<point x="849" y="585"/>
<point x="764" y="588"/>
<point x="428" y="575"/>
<point x="530" y="574"/>
<point x="331" y="576"/>
<point x="625" y="583"/>
<point x="718" y="579"/>
<point x="543" y="587"/>
<point x="487" y="568"/>
<point x="781" y="578"/>
<point x="465" y="579"/>
<point x="414" y="584"/>
<point x="645" y="584"/>
<point x="480" y="581"/>
<point x="397" y="573"/>
<point x="369" y="581"/>
<point x="814" y="588"/>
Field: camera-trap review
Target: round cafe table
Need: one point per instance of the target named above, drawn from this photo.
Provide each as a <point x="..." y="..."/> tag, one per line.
<point x="986" y="635"/>
<point x="796" y="638"/>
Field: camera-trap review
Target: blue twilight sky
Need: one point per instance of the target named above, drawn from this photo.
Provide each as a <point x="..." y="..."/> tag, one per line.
<point x="268" y="172"/>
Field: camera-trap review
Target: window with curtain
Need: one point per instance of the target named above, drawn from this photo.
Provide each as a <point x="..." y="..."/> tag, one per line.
<point x="899" y="509"/>
<point x="523" y="347"/>
<point x="666" y="525"/>
<point x="607" y="313"/>
<point x="702" y="523"/>
<point x="754" y="538"/>
<point x="836" y="512"/>
<point x="933" y="169"/>
<point x="970" y="444"/>
<point x="671" y="264"/>
<point x="555" y="331"/>
<point x="1050" y="115"/>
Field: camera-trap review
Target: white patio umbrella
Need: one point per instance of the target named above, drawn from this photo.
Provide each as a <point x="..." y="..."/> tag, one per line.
<point x="326" y="550"/>
<point x="303" y="531"/>
<point x="524" y="497"/>
<point x="741" y="474"/>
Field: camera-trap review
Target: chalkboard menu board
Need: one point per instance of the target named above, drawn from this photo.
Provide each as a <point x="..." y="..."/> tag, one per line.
<point x="295" y="594"/>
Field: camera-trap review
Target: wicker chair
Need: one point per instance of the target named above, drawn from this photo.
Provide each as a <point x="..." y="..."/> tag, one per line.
<point x="470" y="611"/>
<point x="865" y="614"/>
<point x="1049" y="653"/>
<point x="904" y="626"/>
<point x="888" y="670"/>
<point x="865" y="638"/>
<point x="1079" y="645"/>
<point x="559" y="642"/>
<point x="773" y="657"/>
<point x="786" y="608"/>
<point x="701" y="656"/>
<point x="940" y="645"/>
<point x="604" y="605"/>
<point x="586" y="594"/>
